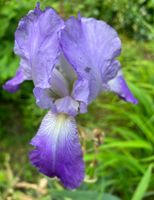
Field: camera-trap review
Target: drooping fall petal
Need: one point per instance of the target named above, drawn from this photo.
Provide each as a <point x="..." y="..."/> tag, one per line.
<point x="58" y="151"/>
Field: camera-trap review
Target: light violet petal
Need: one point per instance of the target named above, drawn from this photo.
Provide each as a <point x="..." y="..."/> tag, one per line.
<point x="44" y="99"/>
<point x="81" y="90"/>
<point x="37" y="9"/>
<point x="119" y="86"/>
<point x="22" y="74"/>
<point x="58" y="83"/>
<point x="83" y="107"/>
<point x="111" y="71"/>
<point x="67" y="105"/>
<point x="66" y="69"/>
<point x="13" y="84"/>
<point x="36" y="40"/>
<point x="74" y="46"/>
<point x="90" y="46"/>
<point x="103" y="40"/>
<point x="58" y="151"/>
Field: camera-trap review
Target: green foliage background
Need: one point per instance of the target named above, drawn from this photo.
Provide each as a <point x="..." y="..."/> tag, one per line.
<point x="120" y="160"/>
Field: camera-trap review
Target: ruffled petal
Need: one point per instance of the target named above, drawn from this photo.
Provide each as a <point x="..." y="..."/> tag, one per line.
<point x="119" y="86"/>
<point x="90" y="46"/>
<point x="58" y="151"/>
<point x="36" y="40"/>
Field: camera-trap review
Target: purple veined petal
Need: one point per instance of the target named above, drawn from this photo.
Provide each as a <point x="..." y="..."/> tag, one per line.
<point x="22" y="74"/>
<point x="36" y="39"/>
<point x="119" y="86"/>
<point x="58" y="151"/>
<point x="67" y="105"/>
<point x="111" y="71"/>
<point x="90" y="46"/>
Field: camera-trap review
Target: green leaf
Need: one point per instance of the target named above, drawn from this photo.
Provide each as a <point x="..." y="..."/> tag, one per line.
<point x="81" y="195"/>
<point x="128" y="144"/>
<point x="143" y="184"/>
<point x="75" y="195"/>
<point x="109" y="197"/>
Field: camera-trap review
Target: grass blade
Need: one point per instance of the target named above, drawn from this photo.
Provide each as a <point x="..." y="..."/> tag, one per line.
<point x="143" y="184"/>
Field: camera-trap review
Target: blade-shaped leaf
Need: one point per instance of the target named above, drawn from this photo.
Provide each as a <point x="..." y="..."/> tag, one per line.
<point x="82" y="195"/>
<point x="143" y="184"/>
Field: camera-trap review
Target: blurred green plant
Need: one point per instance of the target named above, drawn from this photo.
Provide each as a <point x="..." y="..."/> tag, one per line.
<point x="134" y="18"/>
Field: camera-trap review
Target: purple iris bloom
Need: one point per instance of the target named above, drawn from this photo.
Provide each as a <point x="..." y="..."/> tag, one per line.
<point x="70" y="63"/>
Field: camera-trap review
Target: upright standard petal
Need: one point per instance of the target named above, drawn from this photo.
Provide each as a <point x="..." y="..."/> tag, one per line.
<point x="36" y="39"/>
<point x="91" y="46"/>
<point x="58" y="151"/>
<point x="36" y="42"/>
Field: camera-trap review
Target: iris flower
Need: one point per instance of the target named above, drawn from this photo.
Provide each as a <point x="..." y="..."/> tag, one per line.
<point x="70" y="62"/>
